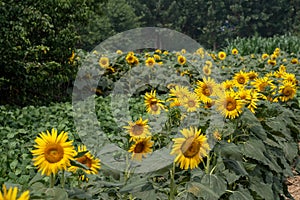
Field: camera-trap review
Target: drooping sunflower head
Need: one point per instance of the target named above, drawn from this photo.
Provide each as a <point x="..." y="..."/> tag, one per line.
<point x="181" y="59"/>
<point x="205" y="89"/>
<point x="229" y="105"/>
<point x="294" y="61"/>
<point x="222" y="55"/>
<point x="150" y="62"/>
<point x="287" y="91"/>
<point x="141" y="147"/>
<point x="153" y="104"/>
<point x="104" y="62"/>
<point x="12" y="193"/>
<point x="191" y="149"/>
<point x="272" y="62"/>
<point x="138" y="128"/>
<point x="53" y="152"/>
<point x="241" y="78"/>
<point x="191" y="102"/>
<point x="264" y="56"/>
<point x="261" y="84"/>
<point x="92" y="163"/>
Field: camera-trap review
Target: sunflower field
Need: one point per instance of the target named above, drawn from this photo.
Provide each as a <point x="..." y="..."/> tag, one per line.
<point x="169" y="125"/>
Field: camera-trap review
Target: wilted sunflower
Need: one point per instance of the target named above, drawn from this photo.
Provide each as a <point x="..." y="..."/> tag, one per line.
<point x="138" y="128"/>
<point x="141" y="147"/>
<point x="241" y="78"/>
<point x="92" y="163"/>
<point x="287" y="91"/>
<point x="191" y="102"/>
<point x="104" y="62"/>
<point x="181" y="60"/>
<point x="205" y="89"/>
<point x="191" y="149"/>
<point x="222" y="55"/>
<point x="53" y="152"/>
<point x="153" y="104"/>
<point x="11" y="194"/>
<point x="229" y="105"/>
<point x="150" y="62"/>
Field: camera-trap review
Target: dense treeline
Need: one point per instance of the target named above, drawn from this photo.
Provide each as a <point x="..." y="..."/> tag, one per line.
<point x="41" y="40"/>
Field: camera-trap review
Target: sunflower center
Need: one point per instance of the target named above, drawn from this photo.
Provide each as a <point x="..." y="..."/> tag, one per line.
<point x="241" y="80"/>
<point x="137" y="129"/>
<point x="54" y="153"/>
<point x="191" y="103"/>
<point x="262" y="86"/>
<point x="85" y="160"/>
<point x="154" y="107"/>
<point x="190" y="147"/>
<point x="139" y="148"/>
<point x="287" y="91"/>
<point x="231" y="105"/>
<point x="207" y="90"/>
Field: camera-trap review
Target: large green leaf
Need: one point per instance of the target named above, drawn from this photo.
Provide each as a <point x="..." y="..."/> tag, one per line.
<point x="262" y="189"/>
<point x="210" y="187"/>
<point x="241" y="194"/>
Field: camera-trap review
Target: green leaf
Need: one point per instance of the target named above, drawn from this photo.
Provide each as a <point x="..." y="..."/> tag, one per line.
<point x="236" y="166"/>
<point x="262" y="189"/>
<point x="57" y="193"/>
<point x="254" y="149"/>
<point x="78" y="164"/>
<point x="241" y="194"/>
<point x="137" y="185"/>
<point x="210" y="187"/>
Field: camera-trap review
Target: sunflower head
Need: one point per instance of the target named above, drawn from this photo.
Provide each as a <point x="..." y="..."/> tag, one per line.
<point x="222" y="55"/>
<point x="150" y="62"/>
<point x="12" y="193"/>
<point x="138" y="128"/>
<point x="153" y="104"/>
<point x="141" y="147"/>
<point x="104" y="62"/>
<point x="191" y="102"/>
<point x="205" y="89"/>
<point x="181" y="59"/>
<point x="191" y="149"/>
<point x="53" y="152"/>
<point x="287" y="91"/>
<point x="229" y="105"/>
<point x="294" y="61"/>
<point x="264" y="56"/>
<point x="92" y="163"/>
<point x="234" y="51"/>
<point x="206" y="70"/>
<point x="241" y="78"/>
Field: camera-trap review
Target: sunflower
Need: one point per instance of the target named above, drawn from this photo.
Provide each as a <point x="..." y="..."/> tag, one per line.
<point x="280" y="73"/>
<point x="11" y="194"/>
<point x="179" y="91"/>
<point x="205" y="89"/>
<point x="138" y="128"/>
<point x="191" y="149"/>
<point x="206" y="70"/>
<point x="244" y="94"/>
<point x="264" y="56"/>
<point x="252" y="75"/>
<point x="234" y="51"/>
<point x="229" y="105"/>
<point x="158" y="51"/>
<point x="272" y="62"/>
<point x="228" y="84"/>
<point x="253" y="101"/>
<point x="92" y="163"/>
<point x="181" y="60"/>
<point x="131" y="59"/>
<point x="119" y="52"/>
<point x="288" y="77"/>
<point x="287" y="91"/>
<point x="241" y="78"/>
<point x="153" y="104"/>
<point x="191" y="102"/>
<point x="104" y="62"/>
<point x="141" y="147"/>
<point x="261" y="84"/>
<point x="150" y="62"/>
<point x="53" y="152"/>
<point x="294" y="61"/>
<point x="222" y="55"/>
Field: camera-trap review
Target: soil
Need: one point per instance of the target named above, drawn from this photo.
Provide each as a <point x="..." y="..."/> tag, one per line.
<point x="294" y="186"/>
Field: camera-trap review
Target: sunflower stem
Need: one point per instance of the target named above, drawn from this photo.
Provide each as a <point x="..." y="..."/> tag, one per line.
<point x="172" y="183"/>
<point x="207" y="166"/>
<point x="52" y="178"/>
<point x="63" y="179"/>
